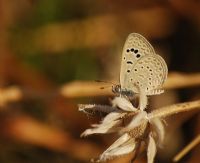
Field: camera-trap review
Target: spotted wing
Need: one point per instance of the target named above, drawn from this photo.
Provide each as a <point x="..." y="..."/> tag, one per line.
<point x="148" y="74"/>
<point x="135" y="47"/>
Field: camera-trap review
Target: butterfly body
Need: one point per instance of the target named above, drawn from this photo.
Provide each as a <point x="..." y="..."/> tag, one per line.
<point x="125" y="92"/>
<point x="141" y="68"/>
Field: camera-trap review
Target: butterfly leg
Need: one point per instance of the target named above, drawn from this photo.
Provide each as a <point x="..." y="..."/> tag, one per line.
<point x="142" y="99"/>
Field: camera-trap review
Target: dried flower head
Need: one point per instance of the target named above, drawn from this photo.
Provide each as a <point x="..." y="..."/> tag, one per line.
<point x="133" y="125"/>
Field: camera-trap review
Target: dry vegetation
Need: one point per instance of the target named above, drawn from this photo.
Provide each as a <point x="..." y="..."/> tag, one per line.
<point x="52" y="51"/>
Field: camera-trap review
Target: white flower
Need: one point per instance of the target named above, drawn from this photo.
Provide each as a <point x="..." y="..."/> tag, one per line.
<point x="131" y="123"/>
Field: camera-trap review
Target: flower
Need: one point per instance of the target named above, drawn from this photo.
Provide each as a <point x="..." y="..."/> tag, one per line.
<point x="133" y="125"/>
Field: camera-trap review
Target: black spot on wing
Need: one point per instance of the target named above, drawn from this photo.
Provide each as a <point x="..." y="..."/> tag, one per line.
<point x="129" y="62"/>
<point x="138" y="55"/>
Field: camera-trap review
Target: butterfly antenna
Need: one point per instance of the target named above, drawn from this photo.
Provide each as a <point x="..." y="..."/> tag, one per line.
<point x="105" y="87"/>
<point x="108" y="82"/>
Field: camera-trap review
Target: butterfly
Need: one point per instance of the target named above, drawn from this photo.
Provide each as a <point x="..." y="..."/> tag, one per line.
<point x="142" y="70"/>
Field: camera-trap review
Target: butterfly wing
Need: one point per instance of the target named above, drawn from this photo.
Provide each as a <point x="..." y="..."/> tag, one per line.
<point x="148" y="74"/>
<point x="135" y="47"/>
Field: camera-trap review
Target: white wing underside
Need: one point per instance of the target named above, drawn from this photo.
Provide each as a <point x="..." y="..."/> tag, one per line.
<point x="142" y="68"/>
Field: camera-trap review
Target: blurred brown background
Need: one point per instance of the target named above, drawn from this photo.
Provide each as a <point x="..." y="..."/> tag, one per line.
<point x="46" y="45"/>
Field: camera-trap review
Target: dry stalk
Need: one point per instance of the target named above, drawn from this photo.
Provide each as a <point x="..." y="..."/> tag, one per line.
<point x="88" y="88"/>
<point x="10" y="94"/>
<point x="188" y="148"/>
<point x="174" y="109"/>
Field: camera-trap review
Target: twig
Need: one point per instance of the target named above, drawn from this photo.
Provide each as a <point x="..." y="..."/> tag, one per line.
<point x="10" y="94"/>
<point x="190" y="146"/>
<point x="88" y="88"/>
<point x="84" y="89"/>
<point x="174" y="109"/>
<point x="182" y="80"/>
<point x="26" y="129"/>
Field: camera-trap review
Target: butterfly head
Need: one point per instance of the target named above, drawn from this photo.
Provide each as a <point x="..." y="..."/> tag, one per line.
<point x="124" y="92"/>
<point x="116" y="89"/>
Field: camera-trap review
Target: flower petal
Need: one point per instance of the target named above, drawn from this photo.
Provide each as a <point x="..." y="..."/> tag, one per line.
<point x="112" y="117"/>
<point x="151" y="151"/>
<point x="159" y="127"/>
<point x="108" y="125"/>
<point x="93" y="109"/>
<point x="123" y="104"/>
<point x="136" y="121"/>
<point x="124" y="145"/>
